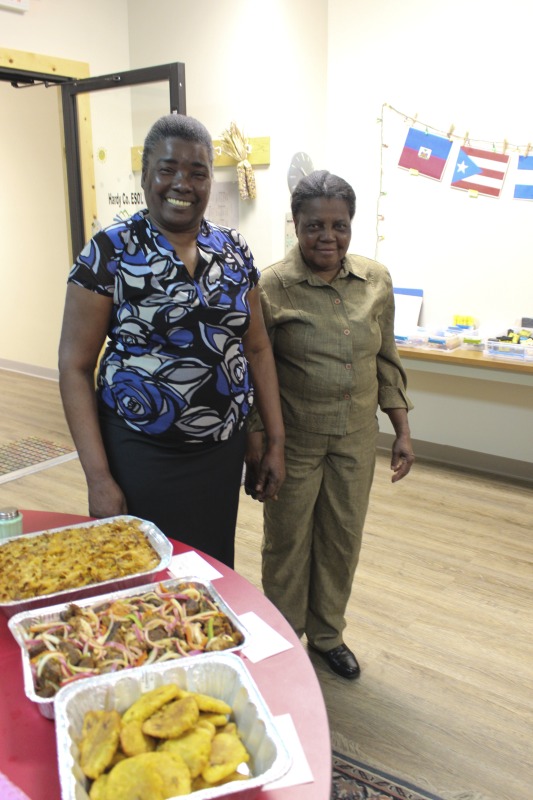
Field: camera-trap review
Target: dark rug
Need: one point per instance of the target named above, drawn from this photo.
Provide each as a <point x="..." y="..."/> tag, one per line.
<point x="353" y="780"/>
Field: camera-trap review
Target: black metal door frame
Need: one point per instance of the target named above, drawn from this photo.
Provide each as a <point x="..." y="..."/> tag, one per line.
<point x="173" y="73"/>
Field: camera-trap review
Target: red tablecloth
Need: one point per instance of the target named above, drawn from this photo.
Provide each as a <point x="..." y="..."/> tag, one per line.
<point x="287" y="681"/>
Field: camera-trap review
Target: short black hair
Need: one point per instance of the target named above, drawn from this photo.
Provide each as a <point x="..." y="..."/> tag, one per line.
<point x="177" y="126"/>
<point x="322" y="183"/>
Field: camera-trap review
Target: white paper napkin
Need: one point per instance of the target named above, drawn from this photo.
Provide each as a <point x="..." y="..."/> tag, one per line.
<point x="264" y="641"/>
<point x="8" y="790"/>
<point x="300" y="771"/>
<point x="191" y="563"/>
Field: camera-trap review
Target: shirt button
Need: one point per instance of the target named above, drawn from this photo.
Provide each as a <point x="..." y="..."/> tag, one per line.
<point x="348" y="366"/>
<point x="336" y="301"/>
<point x="346" y="396"/>
<point x="346" y="332"/>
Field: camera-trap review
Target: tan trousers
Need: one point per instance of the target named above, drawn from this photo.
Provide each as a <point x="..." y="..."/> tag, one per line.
<point x="312" y="533"/>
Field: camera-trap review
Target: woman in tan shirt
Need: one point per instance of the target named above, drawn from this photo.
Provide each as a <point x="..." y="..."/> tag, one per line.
<point x="330" y="317"/>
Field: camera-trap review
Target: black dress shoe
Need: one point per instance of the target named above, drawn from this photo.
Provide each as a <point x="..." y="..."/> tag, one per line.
<point x="342" y="661"/>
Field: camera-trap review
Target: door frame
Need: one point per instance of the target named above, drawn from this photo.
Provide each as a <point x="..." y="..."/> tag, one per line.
<point x="79" y="152"/>
<point x="24" y="68"/>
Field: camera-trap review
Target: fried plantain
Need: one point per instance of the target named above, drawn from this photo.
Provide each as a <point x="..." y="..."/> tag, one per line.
<point x="150" y="702"/>
<point x="227" y="752"/>
<point x="148" y="776"/>
<point x="132" y="739"/>
<point x="98" y="788"/>
<point x="99" y="741"/>
<point x="173" y="719"/>
<point x="193" y="746"/>
<point x="210" y="704"/>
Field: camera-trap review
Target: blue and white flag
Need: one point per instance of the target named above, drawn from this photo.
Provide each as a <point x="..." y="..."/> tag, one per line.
<point x="523" y="189"/>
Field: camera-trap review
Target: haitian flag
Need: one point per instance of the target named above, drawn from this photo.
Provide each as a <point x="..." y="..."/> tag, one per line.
<point x="524" y="186"/>
<point x="480" y="171"/>
<point x="425" y="152"/>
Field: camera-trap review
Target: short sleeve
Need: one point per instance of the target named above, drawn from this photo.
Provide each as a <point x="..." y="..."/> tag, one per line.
<point x="95" y="267"/>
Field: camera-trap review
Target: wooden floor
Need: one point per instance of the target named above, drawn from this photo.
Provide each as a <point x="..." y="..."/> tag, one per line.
<point x="441" y="614"/>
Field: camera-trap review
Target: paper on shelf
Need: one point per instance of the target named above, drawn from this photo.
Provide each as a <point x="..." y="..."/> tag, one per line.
<point x="408" y="304"/>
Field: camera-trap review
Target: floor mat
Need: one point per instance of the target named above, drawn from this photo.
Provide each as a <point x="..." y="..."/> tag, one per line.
<point x="353" y="780"/>
<point x="30" y="454"/>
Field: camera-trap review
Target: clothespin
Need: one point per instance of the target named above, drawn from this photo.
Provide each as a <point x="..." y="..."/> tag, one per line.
<point x="528" y="148"/>
<point x="505" y="145"/>
<point x="450" y="132"/>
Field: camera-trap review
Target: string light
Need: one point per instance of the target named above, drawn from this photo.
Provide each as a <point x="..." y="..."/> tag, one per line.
<point x="413" y="120"/>
<point x="503" y="146"/>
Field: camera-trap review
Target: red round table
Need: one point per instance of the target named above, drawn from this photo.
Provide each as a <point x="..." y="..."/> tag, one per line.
<point x="287" y="681"/>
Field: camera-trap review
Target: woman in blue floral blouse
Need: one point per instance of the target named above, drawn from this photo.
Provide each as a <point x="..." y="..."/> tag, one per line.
<point x="175" y="299"/>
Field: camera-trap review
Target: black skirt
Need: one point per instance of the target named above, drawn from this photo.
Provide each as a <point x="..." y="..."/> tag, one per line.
<point x="190" y="492"/>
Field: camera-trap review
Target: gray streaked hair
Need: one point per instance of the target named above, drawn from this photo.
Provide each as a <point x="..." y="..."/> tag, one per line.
<point x="322" y="183"/>
<point x="177" y="126"/>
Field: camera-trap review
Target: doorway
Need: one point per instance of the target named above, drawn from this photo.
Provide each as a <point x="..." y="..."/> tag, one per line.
<point x="123" y="107"/>
<point x="38" y="241"/>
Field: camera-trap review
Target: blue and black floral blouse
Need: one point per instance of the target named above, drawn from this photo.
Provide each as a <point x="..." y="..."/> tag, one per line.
<point x="174" y="360"/>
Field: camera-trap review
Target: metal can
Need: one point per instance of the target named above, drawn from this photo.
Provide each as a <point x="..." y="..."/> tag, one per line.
<point x="10" y="522"/>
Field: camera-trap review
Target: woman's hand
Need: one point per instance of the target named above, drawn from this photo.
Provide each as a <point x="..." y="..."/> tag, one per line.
<point x="265" y="464"/>
<point x="402" y="450"/>
<point x="265" y="468"/>
<point x="106" y="499"/>
<point x="402" y="457"/>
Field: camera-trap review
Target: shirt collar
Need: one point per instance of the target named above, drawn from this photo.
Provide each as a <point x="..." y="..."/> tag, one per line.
<point x="294" y="269"/>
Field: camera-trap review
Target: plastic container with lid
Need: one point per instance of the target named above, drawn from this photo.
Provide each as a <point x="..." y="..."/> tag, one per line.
<point x="10" y="522"/>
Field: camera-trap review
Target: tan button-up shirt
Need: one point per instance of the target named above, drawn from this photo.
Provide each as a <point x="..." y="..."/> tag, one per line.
<point x="333" y="343"/>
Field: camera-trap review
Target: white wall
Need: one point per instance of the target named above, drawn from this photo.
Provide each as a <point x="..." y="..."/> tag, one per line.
<point x="263" y="65"/>
<point x="451" y="63"/>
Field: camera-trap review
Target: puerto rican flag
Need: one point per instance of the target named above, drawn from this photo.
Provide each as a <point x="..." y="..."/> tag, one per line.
<point x="523" y="189"/>
<point x="425" y="153"/>
<point x="480" y="171"/>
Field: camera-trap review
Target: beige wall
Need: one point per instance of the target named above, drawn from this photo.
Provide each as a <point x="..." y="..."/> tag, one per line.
<point x="34" y="241"/>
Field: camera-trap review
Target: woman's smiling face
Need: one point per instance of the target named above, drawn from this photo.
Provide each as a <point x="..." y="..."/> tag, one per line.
<point x="177" y="184"/>
<point x="323" y="228"/>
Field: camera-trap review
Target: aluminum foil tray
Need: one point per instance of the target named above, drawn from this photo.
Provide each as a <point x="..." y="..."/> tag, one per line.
<point x="221" y="675"/>
<point x="20" y="623"/>
<point x="157" y="539"/>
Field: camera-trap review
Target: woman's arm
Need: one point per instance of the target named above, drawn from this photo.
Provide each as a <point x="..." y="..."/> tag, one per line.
<point x="85" y="324"/>
<point x="402" y="450"/>
<point x="258" y="352"/>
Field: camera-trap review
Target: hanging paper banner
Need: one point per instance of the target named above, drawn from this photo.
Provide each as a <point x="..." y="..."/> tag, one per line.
<point x="480" y="171"/>
<point x="523" y="189"/>
<point x="425" y="153"/>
